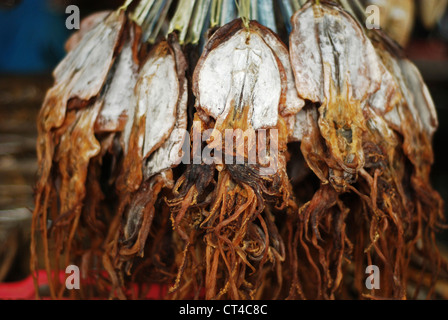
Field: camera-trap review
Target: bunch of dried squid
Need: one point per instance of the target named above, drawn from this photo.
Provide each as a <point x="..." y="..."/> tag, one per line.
<point x="223" y="164"/>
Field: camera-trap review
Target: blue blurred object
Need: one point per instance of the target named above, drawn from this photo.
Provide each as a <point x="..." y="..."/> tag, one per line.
<point x="32" y="37"/>
<point x="266" y="14"/>
<point x="287" y="12"/>
<point x="229" y="12"/>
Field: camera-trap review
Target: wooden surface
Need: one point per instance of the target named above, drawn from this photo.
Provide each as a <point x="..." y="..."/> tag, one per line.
<point x="20" y="100"/>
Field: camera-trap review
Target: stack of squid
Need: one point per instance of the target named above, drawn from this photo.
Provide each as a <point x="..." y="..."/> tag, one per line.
<point x="341" y="124"/>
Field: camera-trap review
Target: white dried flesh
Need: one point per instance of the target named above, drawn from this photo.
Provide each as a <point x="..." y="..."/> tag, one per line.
<point x="397" y="117"/>
<point x="119" y="94"/>
<point x="87" y="24"/>
<point x="386" y="98"/>
<point x="422" y="99"/>
<point x="299" y="127"/>
<point x="328" y="46"/>
<point x="155" y="98"/>
<point x="170" y="152"/>
<point x="378" y="124"/>
<point x="160" y="93"/>
<point x="242" y="72"/>
<point x="84" y="70"/>
<point x="394" y="116"/>
<point x="92" y="58"/>
<point x="293" y="103"/>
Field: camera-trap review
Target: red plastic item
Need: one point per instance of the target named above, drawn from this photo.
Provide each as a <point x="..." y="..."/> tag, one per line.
<point x="24" y="290"/>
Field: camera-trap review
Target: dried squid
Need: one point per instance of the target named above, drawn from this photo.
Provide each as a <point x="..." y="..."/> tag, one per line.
<point x="360" y="108"/>
<point x="68" y="115"/>
<point x="241" y="87"/>
<point x="193" y="149"/>
<point x="152" y="146"/>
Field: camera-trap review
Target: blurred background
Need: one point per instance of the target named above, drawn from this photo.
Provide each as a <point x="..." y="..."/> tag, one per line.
<point x="32" y="38"/>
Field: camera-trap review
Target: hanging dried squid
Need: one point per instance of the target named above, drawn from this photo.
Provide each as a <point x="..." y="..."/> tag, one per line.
<point x="241" y="87"/>
<point x="206" y="156"/>
<point x="367" y="206"/>
<point x="67" y="141"/>
<point x="153" y="138"/>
